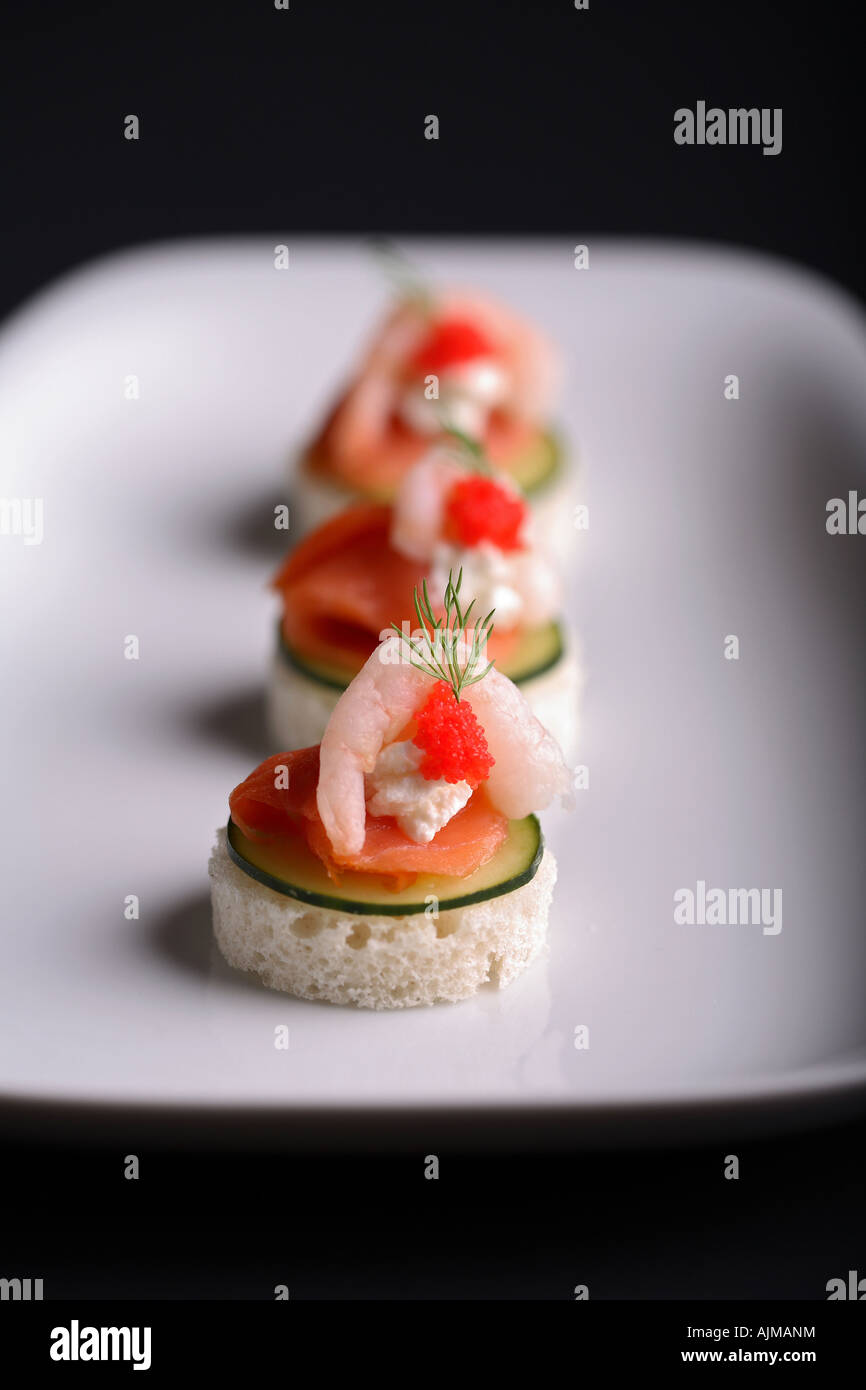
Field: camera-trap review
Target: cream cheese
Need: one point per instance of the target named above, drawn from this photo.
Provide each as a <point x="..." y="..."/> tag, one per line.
<point x="467" y="394"/>
<point x="420" y="807"/>
<point x="521" y="585"/>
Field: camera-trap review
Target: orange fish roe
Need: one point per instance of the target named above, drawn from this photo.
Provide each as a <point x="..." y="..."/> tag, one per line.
<point x="451" y="738"/>
<point x="450" y="342"/>
<point x="481" y="509"/>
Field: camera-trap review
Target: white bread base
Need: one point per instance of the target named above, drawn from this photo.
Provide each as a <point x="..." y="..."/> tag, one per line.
<point x="553" y="517"/>
<point x="554" y="699"/>
<point x="376" y="962"/>
<point x="314" y="497"/>
<point x="299" y="706"/>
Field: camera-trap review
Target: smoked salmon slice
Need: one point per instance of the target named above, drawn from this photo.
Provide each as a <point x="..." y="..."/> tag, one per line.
<point x="263" y="810"/>
<point x="344" y="584"/>
<point x="262" y="807"/>
<point x="378" y="465"/>
<point x="469" y="840"/>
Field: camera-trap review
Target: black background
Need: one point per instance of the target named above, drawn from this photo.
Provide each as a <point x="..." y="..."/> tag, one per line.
<point x="210" y="1223"/>
<point x="312" y="120"/>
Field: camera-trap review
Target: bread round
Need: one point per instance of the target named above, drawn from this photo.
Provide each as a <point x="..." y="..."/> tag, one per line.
<point x="376" y="962"/>
<point x="554" y="698"/>
<point x="315" y="497"/>
<point x="298" y="705"/>
<point x="553" y="516"/>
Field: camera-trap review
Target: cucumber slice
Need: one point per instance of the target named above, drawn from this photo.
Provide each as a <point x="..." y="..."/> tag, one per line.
<point x="539" y="466"/>
<point x="331" y="674"/>
<point x="538" y="649"/>
<point x="536" y="652"/>
<point x="288" y="867"/>
<point x="534" y="470"/>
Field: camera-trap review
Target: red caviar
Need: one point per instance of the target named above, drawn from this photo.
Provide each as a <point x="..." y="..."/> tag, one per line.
<point x="451" y="738"/>
<point x="450" y="342"/>
<point x="481" y="509"/>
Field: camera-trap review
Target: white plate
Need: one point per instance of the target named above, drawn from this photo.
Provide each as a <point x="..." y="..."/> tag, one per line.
<point x="707" y="518"/>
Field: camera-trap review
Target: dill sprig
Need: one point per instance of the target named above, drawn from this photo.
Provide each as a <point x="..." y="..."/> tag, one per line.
<point x="437" y="651"/>
<point x="470" y="452"/>
<point x="406" y="280"/>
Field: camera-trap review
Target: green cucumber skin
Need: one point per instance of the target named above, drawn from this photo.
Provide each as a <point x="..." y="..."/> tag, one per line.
<point x="552" y="439"/>
<point x="553" y="474"/>
<point x="297" y="663"/>
<point x="553" y="660"/>
<point x="337" y="904"/>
